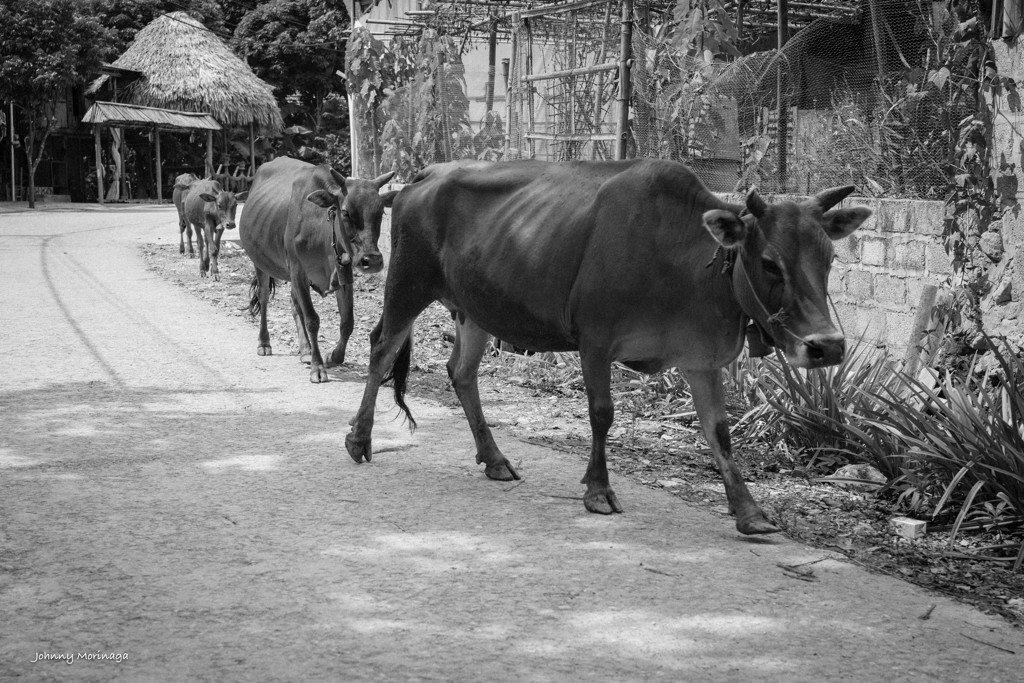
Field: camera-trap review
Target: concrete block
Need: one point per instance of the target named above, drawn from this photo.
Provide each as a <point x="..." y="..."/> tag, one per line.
<point x="848" y="250"/>
<point x="873" y="252"/>
<point x="898" y="327"/>
<point x="907" y="256"/>
<point x="890" y="289"/>
<point x="936" y="260"/>
<point x="927" y="218"/>
<point x="891" y="215"/>
<point x="909" y="528"/>
<point x="859" y="285"/>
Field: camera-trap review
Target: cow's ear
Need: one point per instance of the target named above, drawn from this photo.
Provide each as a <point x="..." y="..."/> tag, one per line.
<point x="389" y="197"/>
<point x="322" y="198"/>
<point x="207" y="197"/>
<point x="727" y="228"/>
<point x="840" y="223"/>
<point x="240" y="197"/>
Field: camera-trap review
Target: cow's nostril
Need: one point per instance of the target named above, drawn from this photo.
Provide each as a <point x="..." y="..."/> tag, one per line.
<point x="815" y="352"/>
<point x="364" y="262"/>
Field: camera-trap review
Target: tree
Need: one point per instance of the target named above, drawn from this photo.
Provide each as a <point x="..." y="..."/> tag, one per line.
<point x="48" y="47"/>
<point x="124" y="18"/>
<point x="298" y="46"/>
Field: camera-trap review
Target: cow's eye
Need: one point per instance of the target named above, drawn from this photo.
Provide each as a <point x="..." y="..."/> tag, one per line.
<point x="771" y="268"/>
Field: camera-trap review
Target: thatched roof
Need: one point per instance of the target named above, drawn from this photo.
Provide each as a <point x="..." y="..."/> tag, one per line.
<point x="148" y="117"/>
<point x="184" y="66"/>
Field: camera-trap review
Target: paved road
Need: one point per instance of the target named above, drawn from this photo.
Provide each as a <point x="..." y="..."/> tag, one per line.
<point x="167" y="495"/>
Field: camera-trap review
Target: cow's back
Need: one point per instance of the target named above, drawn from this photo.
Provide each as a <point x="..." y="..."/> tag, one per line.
<point x="535" y="252"/>
<point x="264" y="220"/>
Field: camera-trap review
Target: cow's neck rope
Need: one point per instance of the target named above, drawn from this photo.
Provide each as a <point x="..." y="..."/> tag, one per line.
<point x="777" y="319"/>
<point x="340" y="253"/>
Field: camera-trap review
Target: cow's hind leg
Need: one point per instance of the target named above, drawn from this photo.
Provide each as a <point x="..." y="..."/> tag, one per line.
<point x="470" y="343"/>
<point x="204" y="258"/>
<point x="597" y="373"/>
<point x="259" y="300"/>
<point x="709" y="401"/>
<point x="345" y="313"/>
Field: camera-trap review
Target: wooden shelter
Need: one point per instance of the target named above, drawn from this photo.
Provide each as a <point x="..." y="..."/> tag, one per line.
<point x="184" y="67"/>
<point x="155" y="120"/>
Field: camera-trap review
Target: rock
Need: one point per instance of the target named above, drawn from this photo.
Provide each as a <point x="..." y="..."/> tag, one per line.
<point x="861" y="471"/>
<point x="991" y="244"/>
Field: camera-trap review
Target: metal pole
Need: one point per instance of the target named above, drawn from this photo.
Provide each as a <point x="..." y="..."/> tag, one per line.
<point x="782" y="109"/>
<point x="625" y="89"/>
<point x="492" y="48"/>
<point x="99" y="162"/>
<point x="159" y="168"/>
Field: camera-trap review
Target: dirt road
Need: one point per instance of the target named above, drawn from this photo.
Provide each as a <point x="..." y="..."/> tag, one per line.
<point x="175" y="507"/>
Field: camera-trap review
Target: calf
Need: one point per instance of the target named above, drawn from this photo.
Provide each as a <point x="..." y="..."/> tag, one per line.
<point x="211" y="211"/>
<point x="181" y="185"/>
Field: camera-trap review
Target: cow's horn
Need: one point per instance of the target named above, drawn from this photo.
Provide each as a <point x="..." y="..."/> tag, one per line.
<point x="383" y="180"/>
<point x="826" y="199"/>
<point x="755" y="205"/>
<point x="340" y="179"/>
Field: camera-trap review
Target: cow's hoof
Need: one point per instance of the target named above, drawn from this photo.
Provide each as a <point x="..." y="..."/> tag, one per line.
<point x="357" y="448"/>
<point x="182" y="251"/>
<point x="603" y="502"/>
<point x="502" y="471"/>
<point x="319" y="375"/>
<point x="264" y="350"/>
<point x="755" y="524"/>
<point x="191" y="254"/>
<point x="216" y="276"/>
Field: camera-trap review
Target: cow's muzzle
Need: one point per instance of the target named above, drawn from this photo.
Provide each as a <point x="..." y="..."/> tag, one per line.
<point x="370" y="263"/>
<point x="820" y="350"/>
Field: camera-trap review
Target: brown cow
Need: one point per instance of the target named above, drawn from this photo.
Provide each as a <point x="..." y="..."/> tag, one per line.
<point x="632" y="261"/>
<point x="211" y="210"/>
<point x="181" y="185"/>
<point x="311" y="226"/>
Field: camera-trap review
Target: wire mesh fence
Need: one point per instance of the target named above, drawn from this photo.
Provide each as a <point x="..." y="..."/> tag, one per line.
<point x="857" y="94"/>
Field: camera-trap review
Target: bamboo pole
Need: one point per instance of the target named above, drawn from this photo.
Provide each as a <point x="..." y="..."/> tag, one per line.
<point x="159" y="168"/>
<point x="512" y="71"/>
<point x="492" y="49"/>
<point x="625" y="91"/>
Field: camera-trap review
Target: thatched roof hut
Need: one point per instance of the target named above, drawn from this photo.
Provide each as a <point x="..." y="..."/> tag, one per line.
<point x="187" y="67"/>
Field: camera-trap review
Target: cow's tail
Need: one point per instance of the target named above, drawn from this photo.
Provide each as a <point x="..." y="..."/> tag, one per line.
<point x="255" y="307"/>
<point x="399" y="375"/>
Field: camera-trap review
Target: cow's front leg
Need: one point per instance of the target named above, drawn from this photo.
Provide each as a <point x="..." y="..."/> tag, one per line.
<point x="470" y="343"/>
<point x="201" y="244"/>
<point x="181" y="238"/>
<point x="345" y="314"/>
<point x="709" y="401"/>
<point x="597" y="377"/>
<point x="215" y="252"/>
<point x="303" y="303"/>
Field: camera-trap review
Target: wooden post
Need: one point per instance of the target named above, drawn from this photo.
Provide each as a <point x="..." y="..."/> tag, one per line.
<point x="782" y="109"/>
<point x="209" y="153"/>
<point x="252" y="149"/>
<point x="10" y="140"/>
<point x="513" y="72"/>
<point x="159" y="168"/>
<point x="625" y="89"/>
<point x="99" y="161"/>
<point x="912" y="359"/>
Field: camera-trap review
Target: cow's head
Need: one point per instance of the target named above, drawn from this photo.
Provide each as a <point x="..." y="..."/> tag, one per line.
<point x="220" y="207"/>
<point x="360" y="206"/>
<point x="781" y="274"/>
